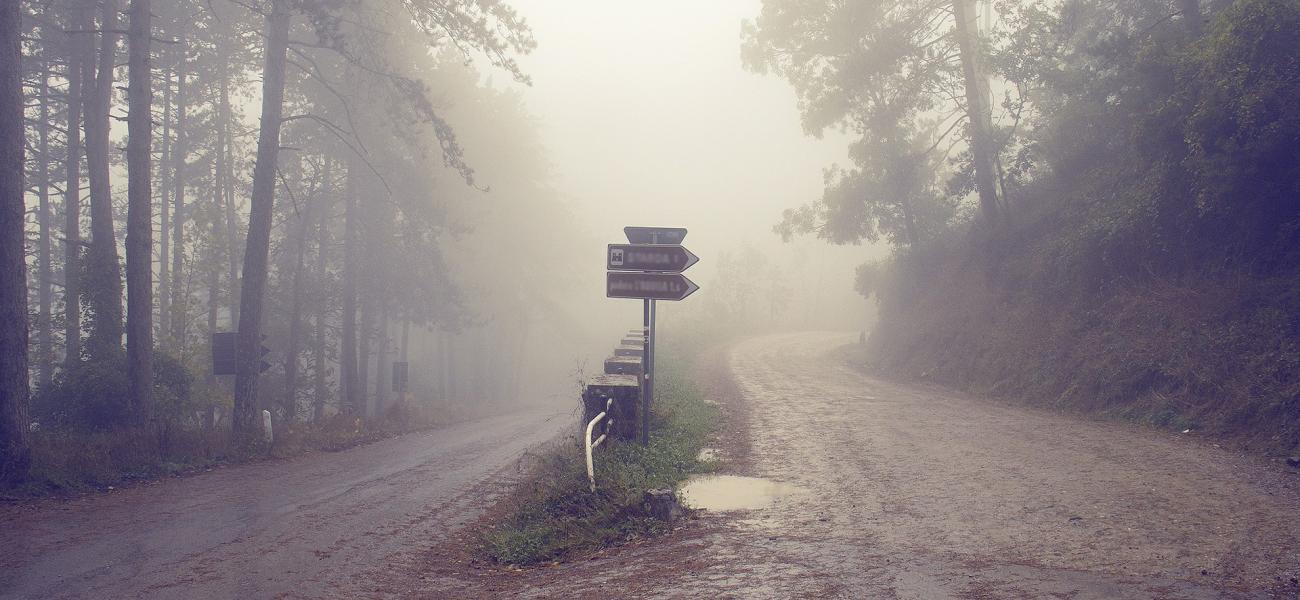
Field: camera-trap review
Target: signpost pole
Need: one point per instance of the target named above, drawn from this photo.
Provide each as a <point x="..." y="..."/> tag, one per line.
<point x="654" y="309"/>
<point x="650" y="352"/>
<point x="646" y="389"/>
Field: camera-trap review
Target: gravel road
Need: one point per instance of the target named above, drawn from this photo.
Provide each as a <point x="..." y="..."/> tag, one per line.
<point x="888" y="490"/>
<point x="913" y="491"/>
<point x="320" y="525"/>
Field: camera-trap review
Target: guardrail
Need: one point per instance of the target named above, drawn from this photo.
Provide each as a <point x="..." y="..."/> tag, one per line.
<point x="591" y="464"/>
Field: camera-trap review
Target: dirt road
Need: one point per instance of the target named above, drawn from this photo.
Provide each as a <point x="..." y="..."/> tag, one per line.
<point x="887" y="491"/>
<point x="321" y="525"/>
<point x="904" y="491"/>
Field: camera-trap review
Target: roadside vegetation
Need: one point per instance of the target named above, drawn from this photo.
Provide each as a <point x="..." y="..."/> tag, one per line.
<point x="1152" y="272"/>
<point x="361" y="246"/>
<point x="553" y="514"/>
<point x="1122" y="239"/>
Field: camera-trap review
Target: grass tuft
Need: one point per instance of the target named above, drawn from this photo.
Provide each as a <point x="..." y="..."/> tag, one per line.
<point x="552" y="513"/>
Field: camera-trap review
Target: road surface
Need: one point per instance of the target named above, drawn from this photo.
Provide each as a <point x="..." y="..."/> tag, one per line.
<point x="912" y="491"/>
<point x="320" y="525"/>
<point x="891" y="491"/>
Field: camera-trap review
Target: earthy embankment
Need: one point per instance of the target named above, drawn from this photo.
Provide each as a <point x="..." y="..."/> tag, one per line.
<point x="1214" y="353"/>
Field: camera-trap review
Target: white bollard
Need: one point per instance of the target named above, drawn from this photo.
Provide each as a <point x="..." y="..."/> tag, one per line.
<point x="266" y="426"/>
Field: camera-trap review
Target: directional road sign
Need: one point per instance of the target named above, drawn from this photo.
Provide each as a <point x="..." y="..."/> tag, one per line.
<point x="648" y="286"/>
<point x="655" y="235"/>
<point x="661" y="258"/>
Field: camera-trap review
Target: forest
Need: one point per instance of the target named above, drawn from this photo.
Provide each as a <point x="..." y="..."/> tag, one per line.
<point x="346" y="299"/>
<point x="319" y="179"/>
<point x="1088" y="204"/>
<point x="1093" y="205"/>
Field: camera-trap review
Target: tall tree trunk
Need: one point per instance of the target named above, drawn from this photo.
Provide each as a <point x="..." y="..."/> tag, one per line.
<point x="444" y="366"/>
<point x="164" y="220"/>
<point x="322" y="302"/>
<point x="77" y="49"/>
<point x="213" y="255"/>
<point x="348" y="354"/>
<point x="295" y="316"/>
<point x="179" y="300"/>
<point x="406" y="340"/>
<point x="45" y="326"/>
<point x="448" y="384"/>
<point x="15" y="453"/>
<point x="983" y="149"/>
<point x="228" y="201"/>
<point x="381" y="361"/>
<point x="212" y="265"/>
<point x="365" y="332"/>
<point x="139" y="216"/>
<point x="104" y="288"/>
<point x="404" y="355"/>
<point x="253" y="286"/>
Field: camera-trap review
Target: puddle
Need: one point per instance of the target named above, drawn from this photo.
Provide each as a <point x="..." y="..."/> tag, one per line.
<point x="708" y="455"/>
<point x="730" y="492"/>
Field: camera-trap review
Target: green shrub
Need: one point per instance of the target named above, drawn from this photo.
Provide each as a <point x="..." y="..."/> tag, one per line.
<point x="92" y="396"/>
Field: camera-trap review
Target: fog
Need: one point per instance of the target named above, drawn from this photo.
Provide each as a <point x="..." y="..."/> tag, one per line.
<point x="446" y="179"/>
<point x="316" y="298"/>
<point x="648" y="118"/>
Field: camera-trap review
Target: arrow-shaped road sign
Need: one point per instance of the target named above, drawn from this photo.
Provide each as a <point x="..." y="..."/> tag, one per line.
<point x="660" y="258"/>
<point x="648" y="286"/>
<point x="655" y="235"/>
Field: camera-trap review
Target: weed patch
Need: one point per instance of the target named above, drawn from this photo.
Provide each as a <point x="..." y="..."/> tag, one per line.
<point x="553" y="513"/>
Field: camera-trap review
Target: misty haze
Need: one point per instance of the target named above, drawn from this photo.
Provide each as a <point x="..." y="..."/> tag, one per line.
<point x="914" y="299"/>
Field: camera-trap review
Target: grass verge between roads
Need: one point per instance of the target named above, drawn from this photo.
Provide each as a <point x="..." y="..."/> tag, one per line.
<point x="553" y="513"/>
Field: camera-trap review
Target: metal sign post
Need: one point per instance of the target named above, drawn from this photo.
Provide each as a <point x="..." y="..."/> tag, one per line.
<point x="649" y="268"/>
<point x="647" y="387"/>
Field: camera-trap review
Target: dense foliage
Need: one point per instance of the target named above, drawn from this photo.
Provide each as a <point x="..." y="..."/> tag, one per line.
<point x="1148" y="265"/>
<point x="345" y="216"/>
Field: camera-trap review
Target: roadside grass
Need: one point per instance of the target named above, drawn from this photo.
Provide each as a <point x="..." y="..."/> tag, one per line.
<point x="552" y="513"/>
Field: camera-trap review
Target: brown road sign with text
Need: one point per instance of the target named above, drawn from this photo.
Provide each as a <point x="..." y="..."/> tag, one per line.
<point x="660" y="258"/>
<point x="648" y="286"/>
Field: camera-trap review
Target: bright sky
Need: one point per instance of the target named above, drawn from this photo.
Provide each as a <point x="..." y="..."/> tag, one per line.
<point x="650" y="119"/>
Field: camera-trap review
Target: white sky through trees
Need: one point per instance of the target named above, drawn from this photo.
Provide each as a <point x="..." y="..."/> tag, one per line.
<point x="648" y="117"/>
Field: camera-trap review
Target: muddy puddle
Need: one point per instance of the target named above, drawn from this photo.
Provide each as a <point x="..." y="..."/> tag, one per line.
<point x="732" y="492"/>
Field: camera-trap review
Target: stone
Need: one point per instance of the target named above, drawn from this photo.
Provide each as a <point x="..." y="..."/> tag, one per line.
<point x="662" y="504"/>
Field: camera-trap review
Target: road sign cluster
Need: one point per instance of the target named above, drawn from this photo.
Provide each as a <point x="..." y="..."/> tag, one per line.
<point x="650" y="267"/>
